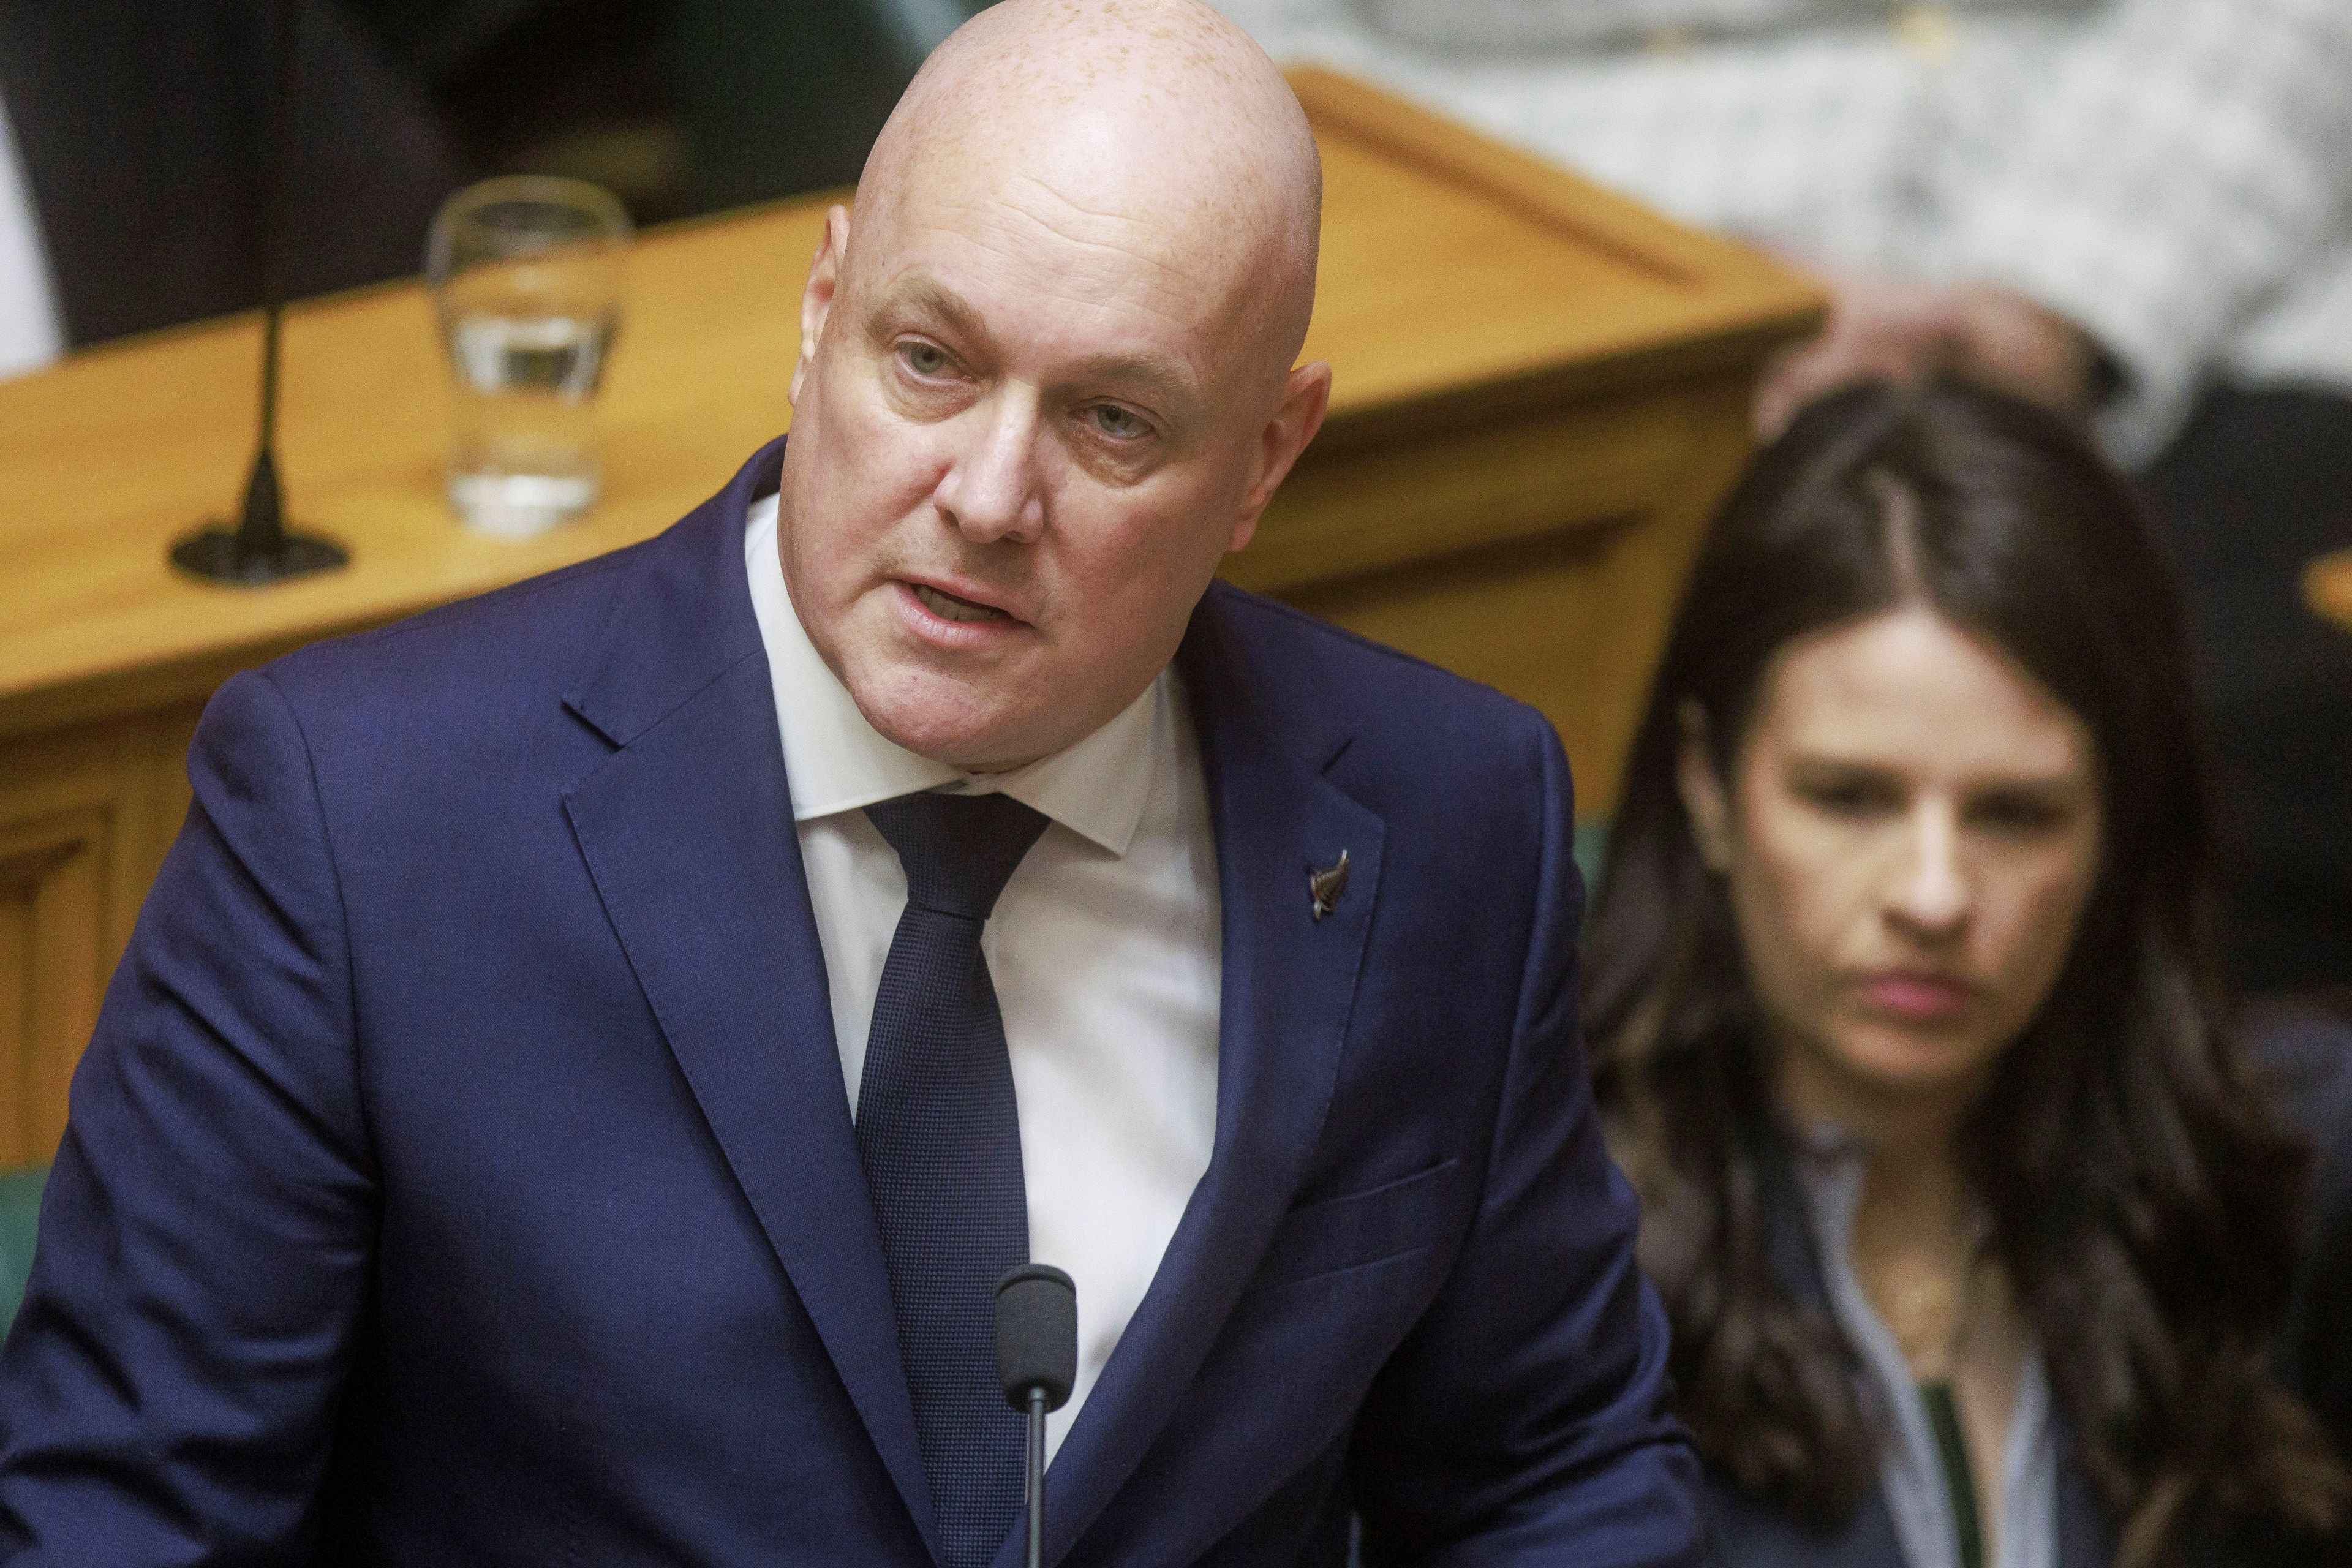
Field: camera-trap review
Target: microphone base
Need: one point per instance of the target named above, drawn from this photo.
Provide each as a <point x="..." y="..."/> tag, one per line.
<point x="220" y="554"/>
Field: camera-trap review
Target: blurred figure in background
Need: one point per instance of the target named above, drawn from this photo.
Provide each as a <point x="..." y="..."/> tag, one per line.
<point x="2137" y="212"/>
<point x="1985" y="1237"/>
<point x="142" y="131"/>
<point x="676" y="106"/>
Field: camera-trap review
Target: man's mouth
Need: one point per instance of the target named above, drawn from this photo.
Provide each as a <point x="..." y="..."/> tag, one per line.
<point x="949" y="608"/>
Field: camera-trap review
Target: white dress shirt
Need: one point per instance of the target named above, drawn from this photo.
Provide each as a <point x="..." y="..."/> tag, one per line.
<point x="1104" y="951"/>
<point x="29" y="334"/>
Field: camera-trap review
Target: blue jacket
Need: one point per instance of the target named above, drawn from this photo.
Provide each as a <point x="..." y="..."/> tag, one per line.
<point x="462" y="1173"/>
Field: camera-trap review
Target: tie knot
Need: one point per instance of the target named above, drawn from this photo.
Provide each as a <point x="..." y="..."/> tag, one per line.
<point x="957" y="851"/>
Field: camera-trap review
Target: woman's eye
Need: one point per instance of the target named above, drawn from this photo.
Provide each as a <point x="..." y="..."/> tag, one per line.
<point x="924" y="359"/>
<point x="2018" y="814"/>
<point x="1119" y="424"/>
<point x="1846" y="797"/>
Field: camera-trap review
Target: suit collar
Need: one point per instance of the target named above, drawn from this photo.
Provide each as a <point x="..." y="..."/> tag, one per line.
<point x="682" y="615"/>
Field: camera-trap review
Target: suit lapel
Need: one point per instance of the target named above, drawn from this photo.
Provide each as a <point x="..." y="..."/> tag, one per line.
<point x="1290" y="986"/>
<point x="688" y="831"/>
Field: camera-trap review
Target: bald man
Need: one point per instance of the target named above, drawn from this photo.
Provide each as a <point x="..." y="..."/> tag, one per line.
<point x="593" y="1049"/>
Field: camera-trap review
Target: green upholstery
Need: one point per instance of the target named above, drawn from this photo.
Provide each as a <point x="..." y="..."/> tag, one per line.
<point x="1591" y="848"/>
<point x="20" y="1217"/>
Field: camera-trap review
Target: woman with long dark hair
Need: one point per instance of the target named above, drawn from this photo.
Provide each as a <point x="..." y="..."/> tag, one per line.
<point x="1984" y="1236"/>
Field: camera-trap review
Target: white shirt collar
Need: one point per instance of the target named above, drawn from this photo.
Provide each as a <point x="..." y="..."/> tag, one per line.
<point x="838" y="761"/>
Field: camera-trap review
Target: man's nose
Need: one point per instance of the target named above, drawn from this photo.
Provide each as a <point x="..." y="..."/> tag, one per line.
<point x="991" y="490"/>
<point x="1930" y="893"/>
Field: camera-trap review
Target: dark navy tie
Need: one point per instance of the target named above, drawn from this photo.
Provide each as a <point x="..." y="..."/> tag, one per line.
<point x="940" y="1134"/>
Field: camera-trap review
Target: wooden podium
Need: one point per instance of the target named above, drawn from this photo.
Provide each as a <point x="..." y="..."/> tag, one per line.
<point x="1541" y="390"/>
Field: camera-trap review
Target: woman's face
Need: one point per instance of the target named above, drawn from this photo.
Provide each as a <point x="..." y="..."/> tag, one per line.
<point x="1910" y="837"/>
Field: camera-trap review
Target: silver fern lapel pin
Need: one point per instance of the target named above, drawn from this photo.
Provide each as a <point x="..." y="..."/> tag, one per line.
<point x="1326" y="886"/>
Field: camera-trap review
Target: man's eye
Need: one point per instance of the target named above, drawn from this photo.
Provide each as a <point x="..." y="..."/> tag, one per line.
<point x="1119" y="424"/>
<point x="924" y="359"/>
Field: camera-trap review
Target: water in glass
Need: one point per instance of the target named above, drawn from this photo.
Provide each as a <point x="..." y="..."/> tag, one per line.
<point x="524" y="456"/>
<point x="526" y="276"/>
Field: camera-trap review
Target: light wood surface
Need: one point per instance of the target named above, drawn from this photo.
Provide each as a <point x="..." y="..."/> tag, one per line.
<point x="2327" y="583"/>
<point x="1540" y="390"/>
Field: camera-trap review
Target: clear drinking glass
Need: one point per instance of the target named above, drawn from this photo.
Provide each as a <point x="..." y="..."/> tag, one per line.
<point x="526" y="276"/>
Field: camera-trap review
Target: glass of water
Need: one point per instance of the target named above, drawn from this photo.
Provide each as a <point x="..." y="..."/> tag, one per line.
<point x="526" y="276"/>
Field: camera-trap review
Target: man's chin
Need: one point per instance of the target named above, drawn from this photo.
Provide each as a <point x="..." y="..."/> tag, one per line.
<point x="943" y="720"/>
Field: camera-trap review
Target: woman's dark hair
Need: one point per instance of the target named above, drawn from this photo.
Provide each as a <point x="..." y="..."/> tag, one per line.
<point x="2146" y="1207"/>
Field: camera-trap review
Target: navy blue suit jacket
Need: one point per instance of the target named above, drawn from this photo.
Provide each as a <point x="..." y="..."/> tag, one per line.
<point x="462" y="1171"/>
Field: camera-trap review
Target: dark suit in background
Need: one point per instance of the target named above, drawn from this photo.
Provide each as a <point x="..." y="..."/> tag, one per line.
<point x="726" y="102"/>
<point x="145" y="124"/>
<point x="145" y="127"/>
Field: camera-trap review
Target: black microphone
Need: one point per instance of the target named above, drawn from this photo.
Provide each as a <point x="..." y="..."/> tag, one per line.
<point x="260" y="550"/>
<point x="1037" y="1361"/>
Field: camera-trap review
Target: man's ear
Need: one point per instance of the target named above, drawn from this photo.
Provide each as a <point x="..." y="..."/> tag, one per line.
<point x="816" y="300"/>
<point x="1702" y="789"/>
<point x="1305" y="398"/>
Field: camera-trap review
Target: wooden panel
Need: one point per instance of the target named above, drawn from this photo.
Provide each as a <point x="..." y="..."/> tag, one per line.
<point x="52" y="929"/>
<point x="1432" y="491"/>
<point x="1550" y="556"/>
<point x="85" y="818"/>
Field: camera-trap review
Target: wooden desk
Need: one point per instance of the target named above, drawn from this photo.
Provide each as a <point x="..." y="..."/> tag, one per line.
<point x="2327" y="583"/>
<point x="1541" y="390"/>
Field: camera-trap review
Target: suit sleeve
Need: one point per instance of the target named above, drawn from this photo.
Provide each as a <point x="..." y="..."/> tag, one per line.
<point x="1526" y="1419"/>
<point x="168" y="1393"/>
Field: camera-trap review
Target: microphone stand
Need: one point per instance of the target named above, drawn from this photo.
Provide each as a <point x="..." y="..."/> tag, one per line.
<point x="1036" y="1477"/>
<point x="260" y="550"/>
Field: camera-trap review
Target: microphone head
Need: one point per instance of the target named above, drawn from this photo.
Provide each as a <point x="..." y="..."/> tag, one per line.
<point x="1036" y="1334"/>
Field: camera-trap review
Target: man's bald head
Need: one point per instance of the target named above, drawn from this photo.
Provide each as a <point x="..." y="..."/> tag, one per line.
<point x="1160" y="113"/>
<point x="1046" y="375"/>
